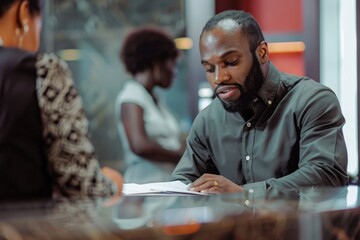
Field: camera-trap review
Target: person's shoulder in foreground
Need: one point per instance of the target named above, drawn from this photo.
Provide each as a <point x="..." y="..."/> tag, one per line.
<point x="55" y="146"/>
<point x="265" y="129"/>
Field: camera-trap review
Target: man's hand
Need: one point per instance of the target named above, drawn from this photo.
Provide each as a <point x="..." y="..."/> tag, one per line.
<point x="211" y="183"/>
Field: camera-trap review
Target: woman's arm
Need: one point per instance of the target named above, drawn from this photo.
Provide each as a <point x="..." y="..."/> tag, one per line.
<point x="72" y="161"/>
<point x="132" y="117"/>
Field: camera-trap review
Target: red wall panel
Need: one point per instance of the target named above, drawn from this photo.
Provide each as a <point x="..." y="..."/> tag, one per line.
<point x="275" y="17"/>
<point x="289" y="62"/>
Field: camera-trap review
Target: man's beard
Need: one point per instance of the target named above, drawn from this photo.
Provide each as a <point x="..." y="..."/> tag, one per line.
<point x="252" y="85"/>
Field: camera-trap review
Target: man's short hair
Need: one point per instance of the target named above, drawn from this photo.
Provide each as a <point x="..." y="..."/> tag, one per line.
<point x="247" y="23"/>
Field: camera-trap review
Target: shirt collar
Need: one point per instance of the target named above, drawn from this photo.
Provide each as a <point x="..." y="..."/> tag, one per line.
<point x="1" y="42"/>
<point x="267" y="94"/>
<point x="268" y="90"/>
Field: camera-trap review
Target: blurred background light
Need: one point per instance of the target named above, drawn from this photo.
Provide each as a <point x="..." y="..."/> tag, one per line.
<point x="184" y="43"/>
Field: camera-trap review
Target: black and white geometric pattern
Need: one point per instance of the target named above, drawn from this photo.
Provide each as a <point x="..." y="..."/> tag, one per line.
<point x="71" y="156"/>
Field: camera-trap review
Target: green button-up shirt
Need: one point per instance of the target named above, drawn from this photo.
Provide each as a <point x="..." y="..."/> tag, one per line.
<point x="294" y="138"/>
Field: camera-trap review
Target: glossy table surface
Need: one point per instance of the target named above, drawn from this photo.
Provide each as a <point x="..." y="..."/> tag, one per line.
<point x="314" y="213"/>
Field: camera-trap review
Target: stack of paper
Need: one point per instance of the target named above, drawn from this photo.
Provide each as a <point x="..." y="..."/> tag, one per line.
<point x="156" y="188"/>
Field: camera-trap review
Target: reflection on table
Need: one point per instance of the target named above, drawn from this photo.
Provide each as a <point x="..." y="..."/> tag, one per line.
<point x="313" y="213"/>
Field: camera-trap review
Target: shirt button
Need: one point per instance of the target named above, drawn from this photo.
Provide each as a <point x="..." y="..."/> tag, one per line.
<point x="255" y="100"/>
<point x="247" y="158"/>
<point x="269" y="102"/>
<point x="248" y="124"/>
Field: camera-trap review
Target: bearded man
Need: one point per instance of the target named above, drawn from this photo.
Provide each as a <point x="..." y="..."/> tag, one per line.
<point x="265" y="129"/>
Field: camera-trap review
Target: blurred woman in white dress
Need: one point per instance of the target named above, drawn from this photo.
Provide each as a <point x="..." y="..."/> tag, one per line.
<point x="149" y="132"/>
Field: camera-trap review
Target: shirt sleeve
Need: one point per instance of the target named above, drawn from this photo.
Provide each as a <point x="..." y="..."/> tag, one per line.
<point x="71" y="156"/>
<point x="323" y="154"/>
<point x="133" y="92"/>
<point x="196" y="159"/>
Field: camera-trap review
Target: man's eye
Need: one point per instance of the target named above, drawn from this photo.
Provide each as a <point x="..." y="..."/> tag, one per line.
<point x="232" y="63"/>
<point x="210" y="69"/>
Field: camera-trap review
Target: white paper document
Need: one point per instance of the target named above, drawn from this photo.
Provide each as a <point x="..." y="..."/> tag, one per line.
<point x="158" y="188"/>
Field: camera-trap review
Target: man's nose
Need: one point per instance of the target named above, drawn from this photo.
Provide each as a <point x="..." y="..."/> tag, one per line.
<point x="221" y="75"/>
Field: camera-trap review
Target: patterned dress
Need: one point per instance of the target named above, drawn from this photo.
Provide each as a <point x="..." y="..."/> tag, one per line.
<point x="70" y="153"/>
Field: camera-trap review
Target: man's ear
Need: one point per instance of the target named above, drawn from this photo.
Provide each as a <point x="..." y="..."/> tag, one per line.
<point x="24" y="14"/>
<point x="263" y="52"/>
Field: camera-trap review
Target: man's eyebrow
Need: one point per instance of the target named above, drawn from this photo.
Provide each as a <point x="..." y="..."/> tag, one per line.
<point x="228" y="53"/>
<point x="203" y="62"/>
<point x="222" y="56"/>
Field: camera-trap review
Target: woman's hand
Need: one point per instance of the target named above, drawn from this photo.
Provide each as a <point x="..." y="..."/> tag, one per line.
<point x="211" y="183"/>
<point x="115" y="177"/>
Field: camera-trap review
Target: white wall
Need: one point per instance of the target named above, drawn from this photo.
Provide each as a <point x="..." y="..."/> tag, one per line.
<point x="197" y="14"/>
<point x="338" y="65"/>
